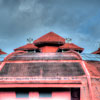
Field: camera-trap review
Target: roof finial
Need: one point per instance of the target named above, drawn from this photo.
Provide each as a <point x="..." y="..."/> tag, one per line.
<point x="68" y="40"/>
<point x="29" y="40"/>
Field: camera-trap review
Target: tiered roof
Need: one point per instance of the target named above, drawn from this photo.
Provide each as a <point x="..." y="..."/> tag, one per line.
<point x="28" y="46"/>
<point x="2" y="52"/>
<point x="50" y="38"/>
<point x="71" y="46"/>
<point x="96" y="52"/>
<point x="30" y="68"/>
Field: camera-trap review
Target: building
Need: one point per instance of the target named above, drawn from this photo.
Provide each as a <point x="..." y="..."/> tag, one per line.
<point x="97" y="51"/>
<point x="2" y="53"/>
<point x="49" y="70"/>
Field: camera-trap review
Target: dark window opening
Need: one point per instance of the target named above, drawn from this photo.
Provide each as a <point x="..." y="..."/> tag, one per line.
<point x="45" y="94"/>
<point x="22" y="94"/>
<point x="56" y="44"/>
<point x="75" y="93"/>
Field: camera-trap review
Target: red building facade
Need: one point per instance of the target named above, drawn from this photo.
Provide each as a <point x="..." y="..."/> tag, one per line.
<point x="49" y="69"/>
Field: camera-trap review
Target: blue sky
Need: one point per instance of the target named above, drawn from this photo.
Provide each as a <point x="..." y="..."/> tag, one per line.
<point x="76" y="19"/>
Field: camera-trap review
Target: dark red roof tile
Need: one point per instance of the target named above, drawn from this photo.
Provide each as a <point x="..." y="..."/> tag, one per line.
<point x="96" y="52"/>
<point x="1" y="52"/>
<point x="28" y="46"/>
<point x="51" y="38"/>
<point x="71" y="46"/>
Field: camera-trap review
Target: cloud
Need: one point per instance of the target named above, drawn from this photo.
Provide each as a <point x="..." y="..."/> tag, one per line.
<point x="78" y="19"/>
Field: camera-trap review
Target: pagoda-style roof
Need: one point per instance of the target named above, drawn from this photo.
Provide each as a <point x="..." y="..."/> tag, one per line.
<point x="2" y="52"/>
<point x="71" y="46"/>
<point x="96" y="52"/>
<point x="69" y="69"/>
<point x="50" y="38"/>
<point x="28" y="46"/>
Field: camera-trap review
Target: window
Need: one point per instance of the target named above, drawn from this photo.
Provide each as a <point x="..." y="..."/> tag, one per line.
<point x="22" y="94"/>
<point x="45" y="94"/>
<point x="75" y="93"/>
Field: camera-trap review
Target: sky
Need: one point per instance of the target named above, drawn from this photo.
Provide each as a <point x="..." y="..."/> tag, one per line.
<point x="75" y="19"/>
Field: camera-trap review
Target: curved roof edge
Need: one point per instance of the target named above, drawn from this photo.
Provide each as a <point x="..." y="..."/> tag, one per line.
<point x="76" y="53"/>
<point x="27" y="56"/>
<point x="13" y="53"/>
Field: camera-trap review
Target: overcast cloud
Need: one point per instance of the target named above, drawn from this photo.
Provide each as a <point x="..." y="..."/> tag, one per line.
<point x="77" y="19"/>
